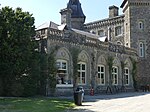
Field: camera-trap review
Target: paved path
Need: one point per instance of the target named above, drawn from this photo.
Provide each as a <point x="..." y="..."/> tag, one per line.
<point x="123" y="102"/>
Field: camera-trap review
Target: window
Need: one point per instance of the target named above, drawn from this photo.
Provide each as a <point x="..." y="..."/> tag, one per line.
<point x="118" y="30"/>
<point x="141" y="49"/>
<point x="115" y="75"/>
<point x="81" y="73"/>
<point x="43" y="31"/>
<point x="62" y="72"/>
<point x="126" y="76"/>
<point x="101" y="74"/>
<point x="141" y="25"/>
<point x="101" y="33"/>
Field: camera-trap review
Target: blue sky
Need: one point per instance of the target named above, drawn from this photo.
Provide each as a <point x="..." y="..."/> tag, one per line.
<point x="48" y="10"/>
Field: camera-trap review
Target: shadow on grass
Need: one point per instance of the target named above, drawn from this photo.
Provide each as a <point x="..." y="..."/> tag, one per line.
<point x="34" y="105"/>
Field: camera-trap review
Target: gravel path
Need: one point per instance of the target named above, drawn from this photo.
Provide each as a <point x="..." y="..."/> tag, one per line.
<point x="123" y="102"/>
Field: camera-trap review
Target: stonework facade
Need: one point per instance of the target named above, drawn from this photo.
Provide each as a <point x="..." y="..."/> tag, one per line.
<point x="123" y="38"/>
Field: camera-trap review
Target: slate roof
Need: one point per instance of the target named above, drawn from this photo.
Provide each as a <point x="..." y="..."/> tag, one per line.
<point x="47" y="25"/>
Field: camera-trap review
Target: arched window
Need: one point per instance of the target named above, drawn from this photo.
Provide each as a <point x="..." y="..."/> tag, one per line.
<point x="81" y="73"/>
<point x="101" y="74"/>
<point x="141" y="49"/>
<point x="126" y="76"/>
<point x="115" y="75"/>
<point x="62" y="72"/>
<point x="141" y="25"/>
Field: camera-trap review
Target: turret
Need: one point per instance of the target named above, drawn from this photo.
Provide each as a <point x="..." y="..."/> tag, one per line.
<point x="77" y="15"/>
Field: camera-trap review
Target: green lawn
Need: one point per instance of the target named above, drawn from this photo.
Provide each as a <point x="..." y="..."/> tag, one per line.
<point x="34" y="105"/>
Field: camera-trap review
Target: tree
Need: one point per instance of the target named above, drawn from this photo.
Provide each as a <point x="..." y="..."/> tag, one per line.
<point x="52" y="71"/>
<point x="16" y="47"/>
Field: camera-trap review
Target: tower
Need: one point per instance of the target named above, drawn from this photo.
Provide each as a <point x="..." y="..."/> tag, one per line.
<point x="137" y="15"/>
<point x="137" y="32"/>
<point x="77" y="15"/>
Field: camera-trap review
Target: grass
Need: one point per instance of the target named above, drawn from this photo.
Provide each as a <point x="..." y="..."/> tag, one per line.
<point x="34" y="105"/>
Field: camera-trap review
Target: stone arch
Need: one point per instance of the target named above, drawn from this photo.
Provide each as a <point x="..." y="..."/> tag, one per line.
<point x="128" y="63"/>
<point x="102" y="60"/>
<point x="84" y="61"/>
<point x="63" y="53"/>
<point x="63" y="58"/>
<point x="116" y="62"/>
<point x="83" y="56"/>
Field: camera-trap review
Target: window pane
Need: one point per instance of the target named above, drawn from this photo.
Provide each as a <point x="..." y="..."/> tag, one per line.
<point x="102" y="81"/>
<point x="83" y="80"/>
<point x="98" y="75"/>
<point x="102" y="76"/>
<point x="58" y="65"/>
<point x="63" y="65"/>
<point x="102" y="69"/>
<point x="83" y="66"/>
<point x="98" y="69"/>
<point x="78" y="66"/>
<point x="101" y="33"/>
<point x="127" y="71"/>
<point x="118" y="31"/>
<point x="115" y="70"/>
<point x="78" y="74"/>
<point x="83" y="74"/>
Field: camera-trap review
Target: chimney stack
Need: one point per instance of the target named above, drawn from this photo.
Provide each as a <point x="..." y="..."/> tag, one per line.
<point x="113" y="11"/>
<point x="66" y="16"/>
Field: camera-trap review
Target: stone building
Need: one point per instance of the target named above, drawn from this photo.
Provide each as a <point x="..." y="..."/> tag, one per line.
<point x="118" y="39"/>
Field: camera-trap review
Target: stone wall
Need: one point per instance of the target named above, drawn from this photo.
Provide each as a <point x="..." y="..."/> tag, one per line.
<point x="92" y="52"/>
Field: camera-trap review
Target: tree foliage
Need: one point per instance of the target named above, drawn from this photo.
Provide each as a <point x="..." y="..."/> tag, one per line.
<point x="18" y="59"/>
<point x="52" y="71"/>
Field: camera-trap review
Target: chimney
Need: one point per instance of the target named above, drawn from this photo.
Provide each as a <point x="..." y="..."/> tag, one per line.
<point x="66" y="16"/>
<point x="113" y="11"/>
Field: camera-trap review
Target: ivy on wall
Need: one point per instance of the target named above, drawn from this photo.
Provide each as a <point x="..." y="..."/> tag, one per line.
<point x="134" y="72"/>
<point x="75" y="53"/>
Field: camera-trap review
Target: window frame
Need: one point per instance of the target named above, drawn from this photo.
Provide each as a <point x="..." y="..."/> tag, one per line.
<point x="61" y="68"/>
<point x="100" y="73"/>
<point x="141" y="49"/>
<point x="118" y="31"/>
<point x="101" y="33"/>
<point x="126" y="79"/>
<point x="115" y="80"/>
<point x="80" y="73"/>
